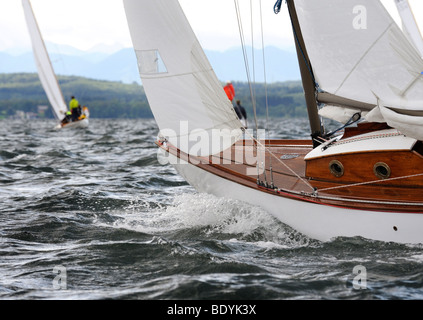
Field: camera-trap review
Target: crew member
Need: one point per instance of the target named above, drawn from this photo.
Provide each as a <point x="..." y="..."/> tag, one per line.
<point x="73" y="106"/>
<point x="242" y="114"/>
<point x="67" y="118"/>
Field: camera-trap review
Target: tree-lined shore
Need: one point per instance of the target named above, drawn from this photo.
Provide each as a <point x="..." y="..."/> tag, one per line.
<point x="22" y="92"/>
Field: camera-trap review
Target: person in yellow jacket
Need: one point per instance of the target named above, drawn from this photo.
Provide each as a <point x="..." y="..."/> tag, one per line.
<point x="73" y="106"/>
<point x="67" y="118"/>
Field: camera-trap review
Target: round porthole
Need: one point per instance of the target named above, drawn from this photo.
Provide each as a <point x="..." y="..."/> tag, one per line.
<point x="382" y="170"/>
<point x="336" y="168"/>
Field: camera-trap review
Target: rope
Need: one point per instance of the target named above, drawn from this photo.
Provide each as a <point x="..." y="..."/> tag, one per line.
<point x="371" y="182"/>
<point x="356" y="200"/>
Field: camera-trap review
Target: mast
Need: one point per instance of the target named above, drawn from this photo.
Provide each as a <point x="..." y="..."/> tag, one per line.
<point x="307" y="76"/>
<point x="366" y="66"/>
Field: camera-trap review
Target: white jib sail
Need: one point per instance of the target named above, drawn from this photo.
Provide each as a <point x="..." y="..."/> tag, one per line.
<point x="410" y="26"/>
<point x="184" y="94"/>
<point x="358" y="52"/>
<point x="45" y="70"/>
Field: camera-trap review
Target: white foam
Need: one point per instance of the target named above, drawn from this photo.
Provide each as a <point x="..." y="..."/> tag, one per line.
<point x="215" y="215"/>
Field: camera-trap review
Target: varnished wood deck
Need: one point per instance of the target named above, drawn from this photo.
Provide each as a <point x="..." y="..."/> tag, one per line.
<point x="285" y="158"/>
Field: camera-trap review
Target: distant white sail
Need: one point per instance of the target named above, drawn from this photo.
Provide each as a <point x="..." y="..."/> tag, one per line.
<point x="358" y="53"/>
<point x="409" y="23"/>
<point x="186" y="98"/>
<point x="45" y="70"/>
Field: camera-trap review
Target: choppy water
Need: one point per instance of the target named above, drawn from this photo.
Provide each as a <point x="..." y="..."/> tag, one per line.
<point x="91" y="214"/>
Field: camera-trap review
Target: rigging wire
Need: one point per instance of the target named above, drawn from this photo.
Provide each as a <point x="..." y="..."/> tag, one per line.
<point x="256" y="140"/>
<point x="247" y="68"/>
<point x="265" y="90"/>
<point x="252" y="82"/>
<point x="252" y="52"/>
<point x="259" y="160"/>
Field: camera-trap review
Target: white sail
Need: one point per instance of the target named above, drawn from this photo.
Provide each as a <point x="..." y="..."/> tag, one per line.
<point x="186" y="98"/>
<point x="410" y="26"/>
<point x="45" y="70"/>
<point x="359" y="53"/>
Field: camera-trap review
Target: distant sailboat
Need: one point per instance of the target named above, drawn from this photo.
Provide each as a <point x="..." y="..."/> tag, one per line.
<point x="47" y="76"/>
<point x="357" y="67"/>
<point x="410" y="27"/>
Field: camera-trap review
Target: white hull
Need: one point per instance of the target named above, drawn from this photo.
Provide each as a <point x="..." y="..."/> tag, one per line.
<point x="78" y="124"/>
<point x="321" y="222"/>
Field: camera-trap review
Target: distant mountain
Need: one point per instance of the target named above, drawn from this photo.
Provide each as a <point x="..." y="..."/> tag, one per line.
<point x="280" y="65"/>
<point x="121" y="65"/>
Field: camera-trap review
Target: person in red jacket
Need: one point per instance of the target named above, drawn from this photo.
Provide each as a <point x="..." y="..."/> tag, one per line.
<point x="230" y="91"/>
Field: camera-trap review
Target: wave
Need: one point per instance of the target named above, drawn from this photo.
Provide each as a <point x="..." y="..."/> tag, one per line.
<point x="204" y="216"/>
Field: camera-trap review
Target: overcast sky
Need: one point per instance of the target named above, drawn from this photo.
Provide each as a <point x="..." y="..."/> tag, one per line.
<point x="87" y="23"/>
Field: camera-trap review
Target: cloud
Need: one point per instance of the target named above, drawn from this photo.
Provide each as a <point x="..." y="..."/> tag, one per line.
<point x="86" y="23"/>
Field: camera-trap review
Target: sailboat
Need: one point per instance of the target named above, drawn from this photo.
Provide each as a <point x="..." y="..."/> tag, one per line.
<point x="48" y="77"/>
<point x="363" y="180"/>
<point x="409" y="23"/>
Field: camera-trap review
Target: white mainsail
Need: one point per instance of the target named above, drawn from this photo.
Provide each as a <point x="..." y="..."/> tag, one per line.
<point x="185" y="96"/>
<point x="410" y="27"/>
<point x="45" y="69"/>
<point x="358" y="54"/>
